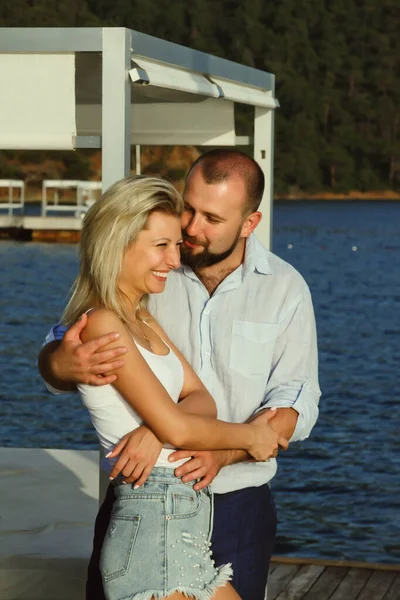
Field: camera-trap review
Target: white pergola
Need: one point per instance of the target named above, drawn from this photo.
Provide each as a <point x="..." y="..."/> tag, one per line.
<point x="107" y="88"/>
<point x="111" y="88"/>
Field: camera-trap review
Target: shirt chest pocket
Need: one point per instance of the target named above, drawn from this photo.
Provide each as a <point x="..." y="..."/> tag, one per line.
<point x="252" y="347"/>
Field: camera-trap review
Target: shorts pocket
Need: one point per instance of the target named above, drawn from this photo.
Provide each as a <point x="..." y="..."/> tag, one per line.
<point x="118" y="546"/>
<point x="185" y="502"/>
<point x="252" y="347"/>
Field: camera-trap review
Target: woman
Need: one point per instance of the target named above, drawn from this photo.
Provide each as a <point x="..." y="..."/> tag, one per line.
<point x="157" y="544"/>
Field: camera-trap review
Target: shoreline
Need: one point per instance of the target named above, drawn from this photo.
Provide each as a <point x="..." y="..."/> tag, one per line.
<point x="351" y="197"/>
<point x="373" y="195"/>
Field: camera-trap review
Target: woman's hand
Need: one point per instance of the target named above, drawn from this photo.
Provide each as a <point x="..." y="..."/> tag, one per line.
<point x="266" y="441"/>
<point x="137" y="454"/>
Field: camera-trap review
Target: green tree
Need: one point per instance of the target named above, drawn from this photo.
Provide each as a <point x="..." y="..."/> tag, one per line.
<point x="336" y="64"/>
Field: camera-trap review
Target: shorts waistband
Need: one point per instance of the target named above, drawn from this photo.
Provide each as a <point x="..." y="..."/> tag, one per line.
<point x="159" y="475"/>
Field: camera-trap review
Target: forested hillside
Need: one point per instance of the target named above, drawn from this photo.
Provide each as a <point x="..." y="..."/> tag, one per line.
<point x="337" y="64"/>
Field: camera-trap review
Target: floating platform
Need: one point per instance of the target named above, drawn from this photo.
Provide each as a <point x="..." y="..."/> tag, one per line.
<point x="40" y="229"/>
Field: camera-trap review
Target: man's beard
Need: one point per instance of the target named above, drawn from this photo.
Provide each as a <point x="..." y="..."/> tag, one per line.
<point x="204" y="258"/>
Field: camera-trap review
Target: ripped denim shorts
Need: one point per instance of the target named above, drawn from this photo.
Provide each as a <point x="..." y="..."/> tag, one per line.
<point x="158" y="541"/>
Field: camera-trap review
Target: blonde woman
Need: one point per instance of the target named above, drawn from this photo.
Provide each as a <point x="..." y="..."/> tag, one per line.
<point x="158" y="541"/>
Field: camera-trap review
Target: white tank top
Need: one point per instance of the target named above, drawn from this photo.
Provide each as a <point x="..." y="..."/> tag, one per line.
<point x="113" y="417"/>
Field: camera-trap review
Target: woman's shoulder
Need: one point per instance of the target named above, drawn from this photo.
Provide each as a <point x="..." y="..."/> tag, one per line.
<point x="100" y="313"/>
<point x="101" y="321"/>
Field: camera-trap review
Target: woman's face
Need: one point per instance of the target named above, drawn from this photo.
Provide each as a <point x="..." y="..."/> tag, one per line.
<point x="151" y="257"/>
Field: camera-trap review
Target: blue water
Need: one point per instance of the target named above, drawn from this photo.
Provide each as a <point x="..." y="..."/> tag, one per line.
<point x="338" y="493"/>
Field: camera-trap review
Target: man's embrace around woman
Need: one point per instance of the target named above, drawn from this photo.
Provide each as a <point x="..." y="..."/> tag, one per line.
<point x="243" y="319"/>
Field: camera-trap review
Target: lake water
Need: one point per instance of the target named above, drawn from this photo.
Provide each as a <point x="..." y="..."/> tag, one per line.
<point x="338" y="493"/>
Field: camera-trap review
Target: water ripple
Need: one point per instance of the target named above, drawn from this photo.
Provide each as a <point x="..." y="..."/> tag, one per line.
<point x="338" y="492"/>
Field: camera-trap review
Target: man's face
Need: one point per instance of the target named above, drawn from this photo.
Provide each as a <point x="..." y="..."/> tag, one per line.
<point x="212" y="220"/>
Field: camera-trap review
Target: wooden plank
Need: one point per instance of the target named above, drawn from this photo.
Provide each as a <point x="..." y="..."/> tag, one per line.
<point x="327" y="583"/>
<point x="377" y="585"/>
<point x="291" y="560"/>
<point x="272" y="568"/>
<point x="352" y="584"/>
<point x="301" y="582"/>
<point x="280" y="577"/>
<point x="394" y="591"/>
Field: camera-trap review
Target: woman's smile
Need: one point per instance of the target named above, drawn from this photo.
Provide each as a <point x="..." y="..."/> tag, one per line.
<point x="160" y="275"/>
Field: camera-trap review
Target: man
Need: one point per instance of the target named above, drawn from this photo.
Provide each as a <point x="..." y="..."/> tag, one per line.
<point x="244" y="319"/>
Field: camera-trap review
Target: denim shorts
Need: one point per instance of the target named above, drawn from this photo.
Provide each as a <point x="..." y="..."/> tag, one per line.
<point x="158" y="541"/>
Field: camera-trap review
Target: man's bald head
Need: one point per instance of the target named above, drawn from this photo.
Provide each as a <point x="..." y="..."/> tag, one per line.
<point x="217" y="166"/>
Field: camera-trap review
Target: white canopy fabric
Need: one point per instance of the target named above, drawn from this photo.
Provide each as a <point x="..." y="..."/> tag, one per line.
<point x="38" y="108"/>
<point x="37" y="101"/>
<point x="150" y="72"/>
<point x="47" y="100"/>
<point x="245" y="94"/>
<point x="153" y="73"/>
<point x="169" y="105"/>
<point x="208" y="123"/>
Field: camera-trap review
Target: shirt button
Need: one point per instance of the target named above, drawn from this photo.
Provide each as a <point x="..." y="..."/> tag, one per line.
<point x="207" y="354"/>
<point x="206" y="311"/>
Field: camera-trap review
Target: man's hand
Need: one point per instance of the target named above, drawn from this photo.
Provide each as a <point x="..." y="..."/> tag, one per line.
<point x="267" y="441"/>
<point x="283" y="422"/>
<point x="204" y="465"/>
<point x="77" y="362"/>
<point x="137" y="453"/>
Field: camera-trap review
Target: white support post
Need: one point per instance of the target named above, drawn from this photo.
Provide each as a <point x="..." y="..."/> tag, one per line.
<point x="138" y="163"/>
<point x="116" y="124"/>
<point x="10" y="199"/>
<point x="116" y="105"/>
<point x="44" y="200"/>
<point x="264" y="155"/>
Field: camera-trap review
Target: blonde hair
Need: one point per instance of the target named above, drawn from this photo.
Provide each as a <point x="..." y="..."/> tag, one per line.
<point x="109" y="228"/>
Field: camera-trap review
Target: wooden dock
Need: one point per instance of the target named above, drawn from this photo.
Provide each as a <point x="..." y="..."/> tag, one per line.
<point x="317" y="579"/>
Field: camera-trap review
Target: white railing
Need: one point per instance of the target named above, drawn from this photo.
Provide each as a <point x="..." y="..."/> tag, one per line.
<point x="84" y="195"/>
<point x="57" y="185"/>
<point x="11" y="184"/>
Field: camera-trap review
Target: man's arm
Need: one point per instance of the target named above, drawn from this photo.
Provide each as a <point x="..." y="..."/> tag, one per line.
<point x="206" y="464"/>
<point x="137" y="452"/>
<point x="292" y="388"/>
<point x="285" y="422"/>
<point x="63" y="364"/>
<point x="293" y="383"/>
<point x="48" y="370"/>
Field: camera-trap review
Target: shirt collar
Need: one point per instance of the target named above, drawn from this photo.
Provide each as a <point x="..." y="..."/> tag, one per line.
<point x="255" y="259"/>
<point x="185" y="270"/>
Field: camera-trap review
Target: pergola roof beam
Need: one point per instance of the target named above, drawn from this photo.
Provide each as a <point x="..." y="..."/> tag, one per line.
<point x="51" y="39"/>
<point x="193" y="60"/>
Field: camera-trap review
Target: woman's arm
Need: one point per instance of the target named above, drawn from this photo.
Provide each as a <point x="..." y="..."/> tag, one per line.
<point x="144" y="392"/>
<point x="194" y="397"/>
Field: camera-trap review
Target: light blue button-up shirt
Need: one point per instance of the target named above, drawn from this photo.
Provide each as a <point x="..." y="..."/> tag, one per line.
<point x="253" y="344"/>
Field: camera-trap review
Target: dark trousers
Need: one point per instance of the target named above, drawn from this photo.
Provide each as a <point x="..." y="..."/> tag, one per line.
<point x="243" y="534"/>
